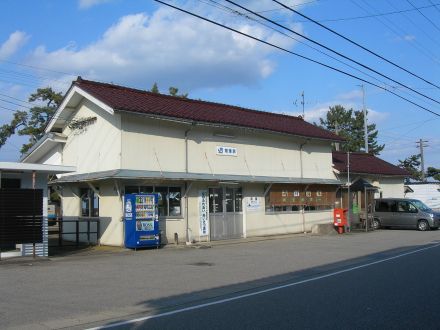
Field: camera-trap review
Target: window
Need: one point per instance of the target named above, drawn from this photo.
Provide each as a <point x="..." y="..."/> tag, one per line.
<point x="89" y="202"/>
<point x="406" y="207"/>
<point x="231" y="197"/>
<point x="293" y="198"/>
<point x="216" y="200"/>
<point x="169" y="198"/>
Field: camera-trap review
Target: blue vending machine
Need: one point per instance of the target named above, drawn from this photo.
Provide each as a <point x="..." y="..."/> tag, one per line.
<point x="141" y="220"/>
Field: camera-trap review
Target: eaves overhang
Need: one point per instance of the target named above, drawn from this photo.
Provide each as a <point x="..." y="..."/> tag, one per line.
<point x="183" y="176"/>
<point x="73" y="97"/>
<point x="46" y="143"/>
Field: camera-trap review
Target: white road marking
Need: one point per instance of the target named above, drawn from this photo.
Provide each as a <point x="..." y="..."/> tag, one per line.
<point x="255" y="293"/>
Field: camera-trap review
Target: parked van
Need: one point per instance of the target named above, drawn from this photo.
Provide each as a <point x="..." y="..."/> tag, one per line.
<point x="404" y="212"/>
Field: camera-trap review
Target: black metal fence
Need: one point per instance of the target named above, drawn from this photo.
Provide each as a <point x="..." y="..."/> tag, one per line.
<point x="75" y="232"/>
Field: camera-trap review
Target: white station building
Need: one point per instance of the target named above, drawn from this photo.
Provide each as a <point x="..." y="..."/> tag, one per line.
<point x="259" y="173"/>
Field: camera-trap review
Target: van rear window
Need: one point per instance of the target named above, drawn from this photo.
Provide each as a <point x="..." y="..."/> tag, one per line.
<point x="384" y="206"/>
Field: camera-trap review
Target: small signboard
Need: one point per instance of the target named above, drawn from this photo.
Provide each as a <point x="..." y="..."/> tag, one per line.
<point x="204" y="212"/>
<point x="226" y="151"/>
<point x="253" y="204"/>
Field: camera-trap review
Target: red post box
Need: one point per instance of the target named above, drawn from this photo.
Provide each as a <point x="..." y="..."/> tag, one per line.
<point x="340" y="219"/>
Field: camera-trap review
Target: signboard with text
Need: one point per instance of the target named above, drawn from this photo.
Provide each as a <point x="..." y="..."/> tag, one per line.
<point x="225" y="151"/>
<point x="204" y="212"/>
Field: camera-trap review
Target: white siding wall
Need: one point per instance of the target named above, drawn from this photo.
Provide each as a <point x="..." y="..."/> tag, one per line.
<point x="98" y="146"/>
<point x="159" y="145"/>
<point x="389" y="186"/>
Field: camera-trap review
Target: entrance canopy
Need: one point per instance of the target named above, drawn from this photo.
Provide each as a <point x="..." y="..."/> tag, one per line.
<point x="361" y="184"/>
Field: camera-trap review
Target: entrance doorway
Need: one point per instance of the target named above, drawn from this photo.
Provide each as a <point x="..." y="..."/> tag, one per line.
<point x="225" y="213"/>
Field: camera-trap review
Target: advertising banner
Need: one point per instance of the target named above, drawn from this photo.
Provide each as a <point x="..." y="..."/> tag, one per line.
<point x="204" y="212"/>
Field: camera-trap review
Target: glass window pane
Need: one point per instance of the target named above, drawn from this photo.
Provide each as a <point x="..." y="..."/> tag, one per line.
<point x="95" y="205"/>
<point x="238" y="196"/>
<point x="146" y="189"/>
<point x="85" y="206"/>
<point x="131" y="189"/>
<point x="85" y="202"/>
<point x="174" y="198"/>
<point x="163" y="201"/>
<point x="229" y="202"/>
<point x="215" y="200"/>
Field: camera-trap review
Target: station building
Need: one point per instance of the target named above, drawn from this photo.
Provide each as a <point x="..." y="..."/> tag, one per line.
<point x="259" y="173"/>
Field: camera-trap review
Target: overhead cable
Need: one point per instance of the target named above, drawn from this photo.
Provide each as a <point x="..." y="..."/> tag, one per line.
<point x="356" y="43"/>
<point x="295" y="54"/>
<point x="333" y="51"/>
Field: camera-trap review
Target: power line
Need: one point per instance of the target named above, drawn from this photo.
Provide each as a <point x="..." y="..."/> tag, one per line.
<point x="355" y="43"/>
<point x="413" y="23"/>
<point x="36" y="67"/>
<point x="332" y="50"/>
<point x="426" y="17"/>
<point x="18" y="105"/>
<point x="293" y="53"/>
<point x="435" y="5"/>
<point x="299" y="5"/>
<point x="369" y="16"/>
<point x="236" y="12"/>
<point x="14" y="98"/>
<point x="392" y="27"/>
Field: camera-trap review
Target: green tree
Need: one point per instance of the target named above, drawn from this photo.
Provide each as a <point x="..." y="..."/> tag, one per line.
<point x="154" y="89"/>
<point x="412" y="165"/>
<point x="349" y="124"/>
<point x="433" y="172"/>
<point x="174" y="90"/>
<point x="359" y="131"/>
<point x="32" y="123"/>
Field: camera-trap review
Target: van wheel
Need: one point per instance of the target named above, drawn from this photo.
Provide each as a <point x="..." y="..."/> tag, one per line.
<point x="423" y="225"/>
<point x="376" y="223"/>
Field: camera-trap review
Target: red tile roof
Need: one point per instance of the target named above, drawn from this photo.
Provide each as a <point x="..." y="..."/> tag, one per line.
<point x="134" y="100"/>
<point x="364" y="163"/>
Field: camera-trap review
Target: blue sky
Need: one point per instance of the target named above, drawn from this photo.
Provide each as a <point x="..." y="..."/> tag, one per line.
<point x="137" y="43"/>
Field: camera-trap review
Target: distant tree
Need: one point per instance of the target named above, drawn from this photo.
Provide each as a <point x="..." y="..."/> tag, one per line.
<point x="433" y="172"/>
<point x="154" y="89"/>
<point x="412" y="165"/>
<point x="174" y="90"/>
<point x="34" y="122"/>
<point x="349" y="124"/>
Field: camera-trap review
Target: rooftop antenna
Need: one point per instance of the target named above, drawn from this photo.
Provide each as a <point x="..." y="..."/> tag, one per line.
<point x="302" y="102"/>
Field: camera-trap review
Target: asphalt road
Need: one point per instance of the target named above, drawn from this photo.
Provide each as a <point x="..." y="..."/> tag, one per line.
<point x="400" y="290"/>
<point x="104" y="286"/>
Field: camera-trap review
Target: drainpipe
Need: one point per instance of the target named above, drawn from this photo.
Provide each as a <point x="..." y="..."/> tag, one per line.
<point x="302" y="177"/>
<point x="186" y="184"/>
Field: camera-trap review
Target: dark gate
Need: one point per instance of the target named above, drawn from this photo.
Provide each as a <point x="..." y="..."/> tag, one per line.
<point x="21" y="216"/>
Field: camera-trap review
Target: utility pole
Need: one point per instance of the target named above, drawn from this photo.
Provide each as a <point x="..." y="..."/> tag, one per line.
<point x="421" y="145"/>
<point x="365" y="118"/>
<point x="337" y="133"/>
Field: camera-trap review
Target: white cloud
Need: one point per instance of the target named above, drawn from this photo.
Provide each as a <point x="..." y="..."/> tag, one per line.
<point x="15" y="41"/>
<point x="85" y="4"/>
<point x="354" y="95"/>
<point x="172" y="49"/>
<point x="320" y="111"/>
<point x="409" y="37"/>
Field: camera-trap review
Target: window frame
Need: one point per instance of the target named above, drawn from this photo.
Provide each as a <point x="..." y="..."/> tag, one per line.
<point x="300" y="197"/>
<point x="91" y="197"/>
<point x="144" y="190"/>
